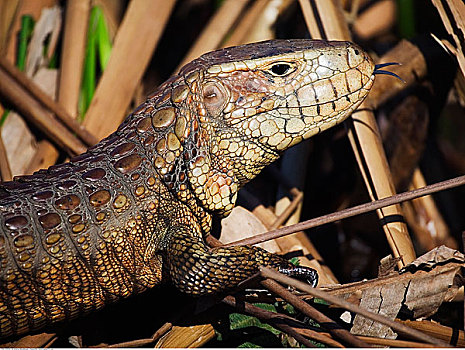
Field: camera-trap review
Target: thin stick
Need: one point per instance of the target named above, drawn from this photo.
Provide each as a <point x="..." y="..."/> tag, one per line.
<point x="51" y="341"/>
<point x="246" y="24"/>
<point x="162" y="330"/>
<point x="349" y="212"/>
<point x="311" y="312"/>
<point x="31" y="109"/>
<point x="454" y="336"/>
<point x="323" y="338"/>
<point x="272" y="317"/>
<point x="216" y="29"/>
<point x="48" y="102"/>
<point x="296" y="335"/>
<point x="73" y="52"/>
<point x="269" y="273"/>
<point x="310" y="20"/>
<point x="395" y="343"/>
<point x="298" y="197"/>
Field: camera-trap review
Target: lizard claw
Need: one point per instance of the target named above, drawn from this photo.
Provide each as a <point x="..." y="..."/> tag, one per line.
<point x="301" y="273"/>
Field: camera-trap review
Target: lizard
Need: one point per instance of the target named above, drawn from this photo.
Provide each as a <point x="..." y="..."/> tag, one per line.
<point x="132" y="211"/>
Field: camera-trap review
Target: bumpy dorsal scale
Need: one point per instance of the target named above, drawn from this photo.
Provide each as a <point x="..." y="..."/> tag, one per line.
<point x="108" y="223"/>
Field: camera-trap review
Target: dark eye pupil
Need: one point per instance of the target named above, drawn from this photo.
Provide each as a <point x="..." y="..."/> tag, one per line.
<point x="280" y="69"/>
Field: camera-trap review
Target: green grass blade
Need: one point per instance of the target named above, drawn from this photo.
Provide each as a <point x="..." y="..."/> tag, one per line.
<point x="103" y="39"/>
<point x="89" y="69"/>
<point x="25" y="33"/>
<point x="4" y="116"/>
<point x="27" y="25"/>
<point x="406" y="18"/>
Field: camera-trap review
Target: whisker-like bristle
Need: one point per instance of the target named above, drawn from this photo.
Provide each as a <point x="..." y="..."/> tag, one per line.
<point x="382" y="65"/>
<point x="380" y="71"/>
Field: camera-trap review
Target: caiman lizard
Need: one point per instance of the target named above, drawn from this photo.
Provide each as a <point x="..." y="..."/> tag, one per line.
<point x="132" y="211"/>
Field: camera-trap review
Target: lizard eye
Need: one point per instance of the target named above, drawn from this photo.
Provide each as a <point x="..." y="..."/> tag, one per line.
<point x="281" y="69"/>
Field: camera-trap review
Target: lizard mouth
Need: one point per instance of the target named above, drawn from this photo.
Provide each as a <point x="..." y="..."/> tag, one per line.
<point x="377" y="71"/>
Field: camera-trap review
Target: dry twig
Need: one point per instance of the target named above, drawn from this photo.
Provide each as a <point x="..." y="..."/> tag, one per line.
<point x="349" y="212"/>
<point x="269" y="273"/>
<point x="311" y="312"/>
<point x="37" y="93"/>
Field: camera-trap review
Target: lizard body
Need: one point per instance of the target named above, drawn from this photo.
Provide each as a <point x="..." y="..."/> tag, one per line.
<point x="133" y="209"/>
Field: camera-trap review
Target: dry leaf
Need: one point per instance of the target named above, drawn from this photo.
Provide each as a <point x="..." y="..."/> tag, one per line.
<point x="49" y="24"/>
<point x="384" y="300"/>
<point x="436" y="256"/>
<point x="240" y="224"/>
<point x="19" y="143"/>
<point x="453" y="16"/>
<point x="421" y="287"/>
<point x="387" y="266"/>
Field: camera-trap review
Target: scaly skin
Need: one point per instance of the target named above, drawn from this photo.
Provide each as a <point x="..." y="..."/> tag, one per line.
<point x="110" y="222"/>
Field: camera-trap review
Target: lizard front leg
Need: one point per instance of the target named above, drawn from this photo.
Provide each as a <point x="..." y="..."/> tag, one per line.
<point x="197" y="269"/>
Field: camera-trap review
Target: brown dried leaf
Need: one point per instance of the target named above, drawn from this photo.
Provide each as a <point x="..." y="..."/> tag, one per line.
<point x="385" y="300"/>
<point x="436" y="256"/>
<point x="425" y="294"/>
<point x="240" y="224"/>
<point x="49" y="24"/>
<point x="387" y="266"/>
<point x="419" y="290"/>
<point x="19" y="143"/>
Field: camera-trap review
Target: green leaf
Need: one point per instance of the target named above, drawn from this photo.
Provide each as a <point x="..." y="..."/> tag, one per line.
<point x="406" y="18"/>
<point x="295" y="261"/>
<point x="289" y="309"/>
<point x="25" y="33"/>
<point x="265" y="306"/>
<point x="53" y="64"/>
<point x="320" y="301"/>
<point x="4" y="116"/>
<point x="103" y="39"/>
<point x="249" y="345"/>
<point x="89" y="69"/>
<point x="240" y="321"/>
<point x="98" y="39"/>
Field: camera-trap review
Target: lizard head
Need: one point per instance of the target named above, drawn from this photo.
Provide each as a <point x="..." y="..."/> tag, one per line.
<point x="284" y="91"/>
<point x="255" y="101"/>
